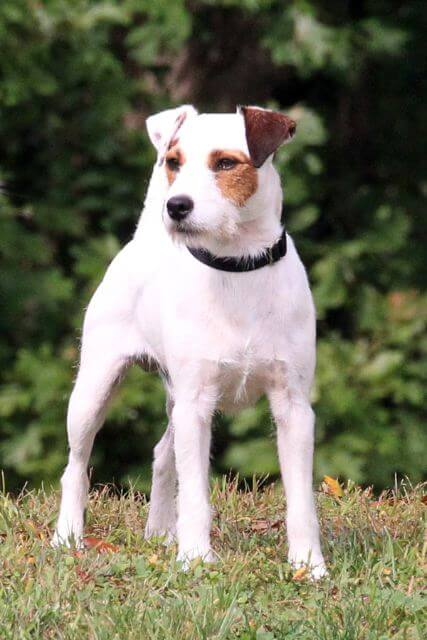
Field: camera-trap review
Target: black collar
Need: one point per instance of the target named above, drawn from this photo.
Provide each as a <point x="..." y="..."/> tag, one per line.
<point x="268" y="257"/>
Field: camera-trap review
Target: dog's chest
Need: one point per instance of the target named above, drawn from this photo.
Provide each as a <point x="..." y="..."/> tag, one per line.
<point x="227" y="321"/>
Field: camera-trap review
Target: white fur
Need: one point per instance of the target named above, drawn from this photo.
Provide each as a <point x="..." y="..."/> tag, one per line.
<point x="224" y="339"/>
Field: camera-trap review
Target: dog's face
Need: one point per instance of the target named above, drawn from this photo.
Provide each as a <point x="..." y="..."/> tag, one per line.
<point x="217" y="169"/>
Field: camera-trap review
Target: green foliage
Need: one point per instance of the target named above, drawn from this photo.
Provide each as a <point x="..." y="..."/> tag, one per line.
<point x="78" y="77"/>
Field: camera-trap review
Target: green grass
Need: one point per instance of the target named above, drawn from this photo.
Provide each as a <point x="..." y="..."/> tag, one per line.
<point x="375" y="553"/>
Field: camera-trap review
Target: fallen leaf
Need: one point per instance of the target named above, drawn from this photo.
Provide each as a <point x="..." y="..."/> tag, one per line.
<point x="100" y="545"/>
<point x="300" y="574"/>
<point x="153" y="560"/>
<point x="84" y="576"/>
<point x="265" y="525"/>
<point x="260" y="525"/>
<point x="333" y="487"/>
<point x="424" y="500"/>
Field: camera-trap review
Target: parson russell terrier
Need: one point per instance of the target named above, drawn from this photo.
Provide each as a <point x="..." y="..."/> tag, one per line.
<point x="211" y="292"/>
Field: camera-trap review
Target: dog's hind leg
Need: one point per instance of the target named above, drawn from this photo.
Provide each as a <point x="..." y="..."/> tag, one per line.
<point x="101" y="367"/>
<point x="162" y="511"/>
<point x="295" y="439"/>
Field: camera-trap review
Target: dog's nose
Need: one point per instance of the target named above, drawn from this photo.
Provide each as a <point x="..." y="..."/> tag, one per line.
<point x="179" y="207"/>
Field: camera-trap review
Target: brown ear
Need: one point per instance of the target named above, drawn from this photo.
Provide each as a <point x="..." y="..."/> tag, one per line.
<point x="265" y="131"/>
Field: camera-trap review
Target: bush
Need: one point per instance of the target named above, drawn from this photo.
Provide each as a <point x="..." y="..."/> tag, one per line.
<point x="78" y="77"/>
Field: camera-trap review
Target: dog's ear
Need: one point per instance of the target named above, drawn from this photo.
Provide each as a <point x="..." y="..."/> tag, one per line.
<point x="163" y="126"/>
<point x="265" y="131"/>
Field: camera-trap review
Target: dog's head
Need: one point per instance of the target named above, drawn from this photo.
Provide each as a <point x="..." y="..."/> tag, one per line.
<point x="217" y="169"/>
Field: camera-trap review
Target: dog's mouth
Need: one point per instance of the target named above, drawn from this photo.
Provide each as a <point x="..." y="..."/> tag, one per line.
<point x="183" y="234"/>
<point x="186" y="235"/>
<point x="186" y="230"/>
<point x="182" y="230"/>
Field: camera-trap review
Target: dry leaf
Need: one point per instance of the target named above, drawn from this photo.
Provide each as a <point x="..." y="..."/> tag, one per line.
<point x="300" y="574"/>
<point x="260" y="525"/>
<point x="83" y="576"/>
<point x="265" y="525"/>
<point x="333" y="487"/>
<point x="153" y="560"/>
<point x="100" y="545"/>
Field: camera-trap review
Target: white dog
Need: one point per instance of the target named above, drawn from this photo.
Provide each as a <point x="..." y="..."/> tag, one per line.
<point x="211" y="290"/>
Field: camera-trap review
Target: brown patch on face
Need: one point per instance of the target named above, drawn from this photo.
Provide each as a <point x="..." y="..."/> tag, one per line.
<point x="173" y="162"/>
<point x="235" y="174"/>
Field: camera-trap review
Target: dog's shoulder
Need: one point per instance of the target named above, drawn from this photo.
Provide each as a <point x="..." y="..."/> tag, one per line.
<point x="114" y="296"/>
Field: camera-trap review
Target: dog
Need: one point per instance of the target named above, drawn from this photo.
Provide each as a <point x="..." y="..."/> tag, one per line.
<point x="211" y="291"/>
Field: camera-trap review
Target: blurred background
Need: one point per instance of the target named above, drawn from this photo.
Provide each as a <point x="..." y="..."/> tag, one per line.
<point x="77" y="80"/>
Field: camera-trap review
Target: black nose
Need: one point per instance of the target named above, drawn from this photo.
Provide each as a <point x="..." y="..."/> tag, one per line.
<point x="179" y="207"/>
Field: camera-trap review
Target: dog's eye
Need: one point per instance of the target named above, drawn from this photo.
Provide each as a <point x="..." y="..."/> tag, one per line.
<point x="173" y="164"/>
<point x="224" y="164"/>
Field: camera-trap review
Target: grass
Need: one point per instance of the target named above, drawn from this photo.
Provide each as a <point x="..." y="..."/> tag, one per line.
<point x="374" y="548"/>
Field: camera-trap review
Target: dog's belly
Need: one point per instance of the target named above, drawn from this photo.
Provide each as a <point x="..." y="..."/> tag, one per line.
<point x="241" y="385"/>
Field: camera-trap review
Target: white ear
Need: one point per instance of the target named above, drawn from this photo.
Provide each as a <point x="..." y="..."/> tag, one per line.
<point x="163" y="126"/>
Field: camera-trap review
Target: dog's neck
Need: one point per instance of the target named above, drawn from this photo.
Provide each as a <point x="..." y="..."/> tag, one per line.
<point x="252" y="238"/>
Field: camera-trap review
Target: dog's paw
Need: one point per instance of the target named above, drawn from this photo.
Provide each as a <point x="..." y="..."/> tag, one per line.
<point x="63" y="538"/>
<point x="318" y="571"/>
<point x="166" y="536"/>
<point x="312" y="571"/>
<point x="314" y="562"/>
<point x="186" y="558"/>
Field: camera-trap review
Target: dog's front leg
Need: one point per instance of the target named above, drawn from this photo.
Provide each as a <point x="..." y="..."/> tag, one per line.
<point x="295" y="439"/>
<point x="100" y="368"/>
<point x="192" y="435"/>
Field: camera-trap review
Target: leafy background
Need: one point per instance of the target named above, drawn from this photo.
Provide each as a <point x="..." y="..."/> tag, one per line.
<point x="78" y="78"/>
